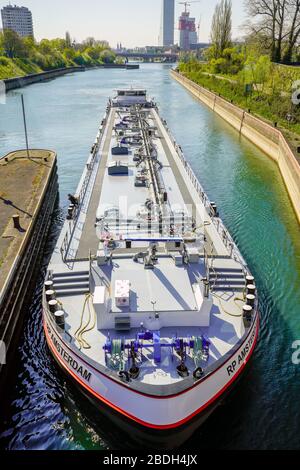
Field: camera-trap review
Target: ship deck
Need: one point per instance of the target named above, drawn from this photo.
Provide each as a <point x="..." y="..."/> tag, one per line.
<point x="85" y="238"/>
<point x="223" y="333"/>
<point x="166" y="289"/>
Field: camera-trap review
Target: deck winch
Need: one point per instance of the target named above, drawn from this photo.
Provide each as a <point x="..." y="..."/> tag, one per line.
<point x="115" y="350"/>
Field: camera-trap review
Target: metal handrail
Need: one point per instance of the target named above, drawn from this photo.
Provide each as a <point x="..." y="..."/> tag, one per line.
<point x="218" y="223"/>
<point x="90" y="167"/>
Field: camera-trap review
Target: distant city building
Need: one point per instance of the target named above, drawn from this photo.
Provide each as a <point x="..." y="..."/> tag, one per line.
<point x="18" y="19"/>
<point x="187" y="31"/>
<point x="167" y="23"/>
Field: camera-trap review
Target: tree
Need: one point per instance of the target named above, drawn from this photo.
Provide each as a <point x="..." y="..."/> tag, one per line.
<point x="265" y="14"/>
<point x="294" y="31"/>
<point x="221" y="27"/>
<point x="277" y="22"/>
<point x="12" y="44"/>
<point x="89" y="42"/>
<point x="68" y="40"/>
<point x="107" y="57"/>
<point x="69" y="54"/>
<point x="45" y="47"/>
<point x="94" y="52"/>
<point x="29" y="47"/>
<point x="2" y="51"/>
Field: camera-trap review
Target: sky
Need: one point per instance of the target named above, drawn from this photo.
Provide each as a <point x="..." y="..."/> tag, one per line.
<point x="131" y="22"/>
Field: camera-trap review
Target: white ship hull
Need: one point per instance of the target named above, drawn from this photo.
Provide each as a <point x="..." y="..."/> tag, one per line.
<point x="152" y="412"/>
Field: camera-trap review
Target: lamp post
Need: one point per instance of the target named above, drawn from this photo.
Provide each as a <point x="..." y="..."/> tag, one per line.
<point x="25" y="125"/>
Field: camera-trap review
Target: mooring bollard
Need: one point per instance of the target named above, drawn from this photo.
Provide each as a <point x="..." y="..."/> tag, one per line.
<point x="50" y="295"/>
<point x="16" y="221"/>
<point x="53" y="306"/>
<point x="251" y="289"/>
<point x="59" y="316"/>
<point x="250" y="298"/>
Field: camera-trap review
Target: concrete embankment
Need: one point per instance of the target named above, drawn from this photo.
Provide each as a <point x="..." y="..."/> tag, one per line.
<point x="28" y="194"/>
<point x="270" y="140"/>
<point x="19" y="82"/>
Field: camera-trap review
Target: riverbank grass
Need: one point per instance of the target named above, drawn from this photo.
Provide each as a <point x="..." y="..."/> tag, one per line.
<point x="271" y="102"/>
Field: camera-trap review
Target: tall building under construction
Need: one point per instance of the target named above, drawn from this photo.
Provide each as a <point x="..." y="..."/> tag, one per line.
<point x="167" y="23"/>
<point x="187" y="31"/>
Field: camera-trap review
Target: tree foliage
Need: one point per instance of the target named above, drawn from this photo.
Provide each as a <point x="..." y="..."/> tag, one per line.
<point x="55" y="53"/>
<point x="13" y="46"/>
<point x="221" y="28"/>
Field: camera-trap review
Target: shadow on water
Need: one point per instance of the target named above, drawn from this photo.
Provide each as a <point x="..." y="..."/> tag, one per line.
<point x="45" y="410"/>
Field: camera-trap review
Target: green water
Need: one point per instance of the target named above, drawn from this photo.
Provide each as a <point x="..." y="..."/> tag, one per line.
<point x="45" y="412"/>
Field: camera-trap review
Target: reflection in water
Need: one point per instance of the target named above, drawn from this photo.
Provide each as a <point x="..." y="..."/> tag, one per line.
<point x="45" y="410"/>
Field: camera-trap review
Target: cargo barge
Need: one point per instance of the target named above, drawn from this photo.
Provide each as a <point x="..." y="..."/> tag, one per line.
<point x="148" y="305"/>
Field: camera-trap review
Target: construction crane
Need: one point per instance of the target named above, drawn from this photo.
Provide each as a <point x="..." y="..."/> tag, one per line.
<point x="188" y="4"/>
<point x="198" y="28"/>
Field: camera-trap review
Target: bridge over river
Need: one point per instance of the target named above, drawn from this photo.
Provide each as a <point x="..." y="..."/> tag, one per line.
<point x="149" y="57"/>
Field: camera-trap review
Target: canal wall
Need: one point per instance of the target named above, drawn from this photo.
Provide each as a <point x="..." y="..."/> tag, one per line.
<point x="270" y="140"/>
<point x="23" y="259"/>
<point x="19" y="82"/>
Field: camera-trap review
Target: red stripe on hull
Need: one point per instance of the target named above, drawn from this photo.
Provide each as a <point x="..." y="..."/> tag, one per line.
<point x="134" y="418"/>
<point x="164" y="397"/>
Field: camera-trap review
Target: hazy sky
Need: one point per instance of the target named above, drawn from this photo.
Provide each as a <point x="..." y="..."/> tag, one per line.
<point x="131" y="22"/>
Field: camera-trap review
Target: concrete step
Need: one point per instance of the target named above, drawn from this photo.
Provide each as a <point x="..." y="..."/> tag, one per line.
<point x="226" y="276"/>
<point x="75" y="285"/>
<point x="226" y="270"/>
<point x="226" y="288"/>
<point x="69" y="274"/>
<point x="73" y="292"/>
<point x="71" y="279"/>
<point x="227" y="282"/>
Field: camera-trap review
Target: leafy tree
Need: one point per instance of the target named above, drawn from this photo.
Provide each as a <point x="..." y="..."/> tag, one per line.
<point x="93" y="52"/>
<point x="2" y="51"/>
<point x="89" y="42"/>
<point x="107" y="57"/>
<point x="29" y="56"/>
<point x="13" y="45"/>
<point x="263" y="70"/>
<point x="45" y="47"/>
<point x="69" y="54"/>
<point x="221" y="28"/>
<point x="79" y="59"/>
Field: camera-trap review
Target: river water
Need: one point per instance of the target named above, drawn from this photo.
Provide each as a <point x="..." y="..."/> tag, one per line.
<point x="45" y="411"/>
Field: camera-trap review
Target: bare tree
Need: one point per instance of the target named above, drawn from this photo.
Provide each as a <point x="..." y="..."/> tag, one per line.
<point x="221" y="27"/>
<point x="268" y="18"/>
<point x="293" y="33"/>
<point x="278" y="21"/>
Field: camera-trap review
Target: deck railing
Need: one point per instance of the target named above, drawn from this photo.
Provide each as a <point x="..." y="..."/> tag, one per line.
<point x="82" y="189"/>
<point x="218" y="223"/>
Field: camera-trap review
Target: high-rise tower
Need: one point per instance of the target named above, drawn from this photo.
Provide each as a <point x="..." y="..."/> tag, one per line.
<point x="167" y="23"/>
<point x="18" y="19"/>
